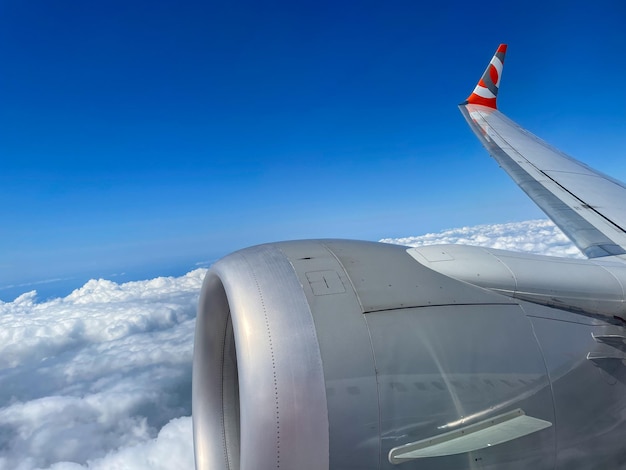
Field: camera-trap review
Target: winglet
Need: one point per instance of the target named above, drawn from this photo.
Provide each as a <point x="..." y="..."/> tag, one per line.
<point x="486" y="92"/>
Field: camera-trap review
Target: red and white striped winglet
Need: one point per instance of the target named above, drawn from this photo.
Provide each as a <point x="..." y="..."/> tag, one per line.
<point x="486" y="92"/>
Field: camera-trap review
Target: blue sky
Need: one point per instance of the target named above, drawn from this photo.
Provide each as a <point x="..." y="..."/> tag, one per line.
<point x="139" y="138"/>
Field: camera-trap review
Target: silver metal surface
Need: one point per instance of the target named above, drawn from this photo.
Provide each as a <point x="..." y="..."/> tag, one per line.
<point x="489" y="432"/>
<point x="361" y="373"/>
<point x="349" y="368"/>
<point x="587" y="286"/>
<point x="439" y="368"/>
<point x="589" y="399"/>
<point x="281" y="390"/>
<point x="584" y="203"/>
<point x="385" y="278"/>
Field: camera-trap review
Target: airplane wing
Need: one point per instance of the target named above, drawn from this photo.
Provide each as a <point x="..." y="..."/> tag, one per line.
<point x="588" y="206"/>
<point x="341" y="354"/>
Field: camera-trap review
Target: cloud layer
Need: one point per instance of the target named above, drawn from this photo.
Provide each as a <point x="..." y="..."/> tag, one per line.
<point x="101" y="379"/>
<point x="534" y="236"/>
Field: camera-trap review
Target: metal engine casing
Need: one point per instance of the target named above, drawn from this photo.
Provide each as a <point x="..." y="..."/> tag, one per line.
<point x="329" y="353"/>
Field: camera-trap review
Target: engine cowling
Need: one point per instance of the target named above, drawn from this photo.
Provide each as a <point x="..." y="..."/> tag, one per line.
<point x="339" y="354"/>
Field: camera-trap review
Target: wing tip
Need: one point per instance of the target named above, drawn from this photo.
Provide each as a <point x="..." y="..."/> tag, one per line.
<point x="486" y="91"/>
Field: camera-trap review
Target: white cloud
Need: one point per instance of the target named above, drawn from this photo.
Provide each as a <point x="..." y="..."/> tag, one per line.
<point x="533" y="236"/>
<point x="87" y="378"/>
<point x="101" y="379"/>
<point x="172" y="449"/>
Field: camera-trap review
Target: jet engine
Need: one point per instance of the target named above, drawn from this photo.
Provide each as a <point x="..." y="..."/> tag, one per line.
<point x="332" y="354"/>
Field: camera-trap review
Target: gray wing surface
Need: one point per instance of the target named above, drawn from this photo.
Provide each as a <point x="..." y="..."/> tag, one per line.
<point x="585" y="204"/>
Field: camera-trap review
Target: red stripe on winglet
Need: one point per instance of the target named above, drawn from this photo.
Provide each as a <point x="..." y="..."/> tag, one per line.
<point x="501" y="48"/>
<point x="493" y="73"/>
<point x="476" y="99"/>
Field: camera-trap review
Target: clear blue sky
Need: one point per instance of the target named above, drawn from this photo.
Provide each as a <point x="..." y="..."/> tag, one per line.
<point x="143" y="137"/>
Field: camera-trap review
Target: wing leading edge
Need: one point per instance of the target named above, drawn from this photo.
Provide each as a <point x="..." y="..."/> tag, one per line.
<point x="586" y="204"/>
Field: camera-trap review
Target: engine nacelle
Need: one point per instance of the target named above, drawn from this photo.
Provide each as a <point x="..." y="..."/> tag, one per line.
<point x="353" y="355"/>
